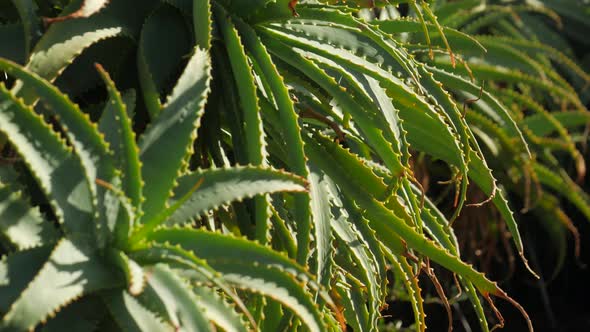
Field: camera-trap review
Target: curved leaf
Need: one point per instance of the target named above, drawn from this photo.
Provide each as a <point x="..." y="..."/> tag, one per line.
<point x="58" y="172"/>
<point x="203" y="190"/>
<point x="131" y="316"/>
<point x="74" y="271"/>
<point x="167" y="142"/>
<point x="22" y="224"/>
<point x="177" y="299"/>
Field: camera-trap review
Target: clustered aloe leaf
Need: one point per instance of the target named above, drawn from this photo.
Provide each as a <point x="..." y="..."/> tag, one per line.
<point x="247" y="165"/>
<point x="528" y="74"/>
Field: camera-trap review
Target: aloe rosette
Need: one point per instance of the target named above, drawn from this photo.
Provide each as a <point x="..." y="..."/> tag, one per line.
<point x="271" y="186"/>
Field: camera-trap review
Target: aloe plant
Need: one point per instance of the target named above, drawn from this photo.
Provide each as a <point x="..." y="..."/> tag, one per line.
<point x="271" y="186"/>
<point x="105" y="245"/>
<point x="509" y="65"/>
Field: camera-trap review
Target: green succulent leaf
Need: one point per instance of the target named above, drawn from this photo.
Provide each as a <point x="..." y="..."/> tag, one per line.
<point x="222" y="186"/>
<point x="16" y="272"/>
<point x="90" y="147"/>
<point x="252" y="126"/>
<point x="320" y="206"/>
<point x="458" y="40"/>
<point x="202" y="23"/>
<point x="66" y="40"/>
<point x="290" y="127"/>
<point x="116" y="122"/>
<point x="390" y="227"/>
<point x="266" y="271"/>
<point x="164" y="146"/>
<point x="74" y="270"/>
<point x="59" y="173"/>
<point x="23" y="225"/>
<point x="180" y="304"/>
<point x="360" y="255"/>
<point x="541" y="126"/>
<point x="130" y="315"/>
<point x="218" y="310"/>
